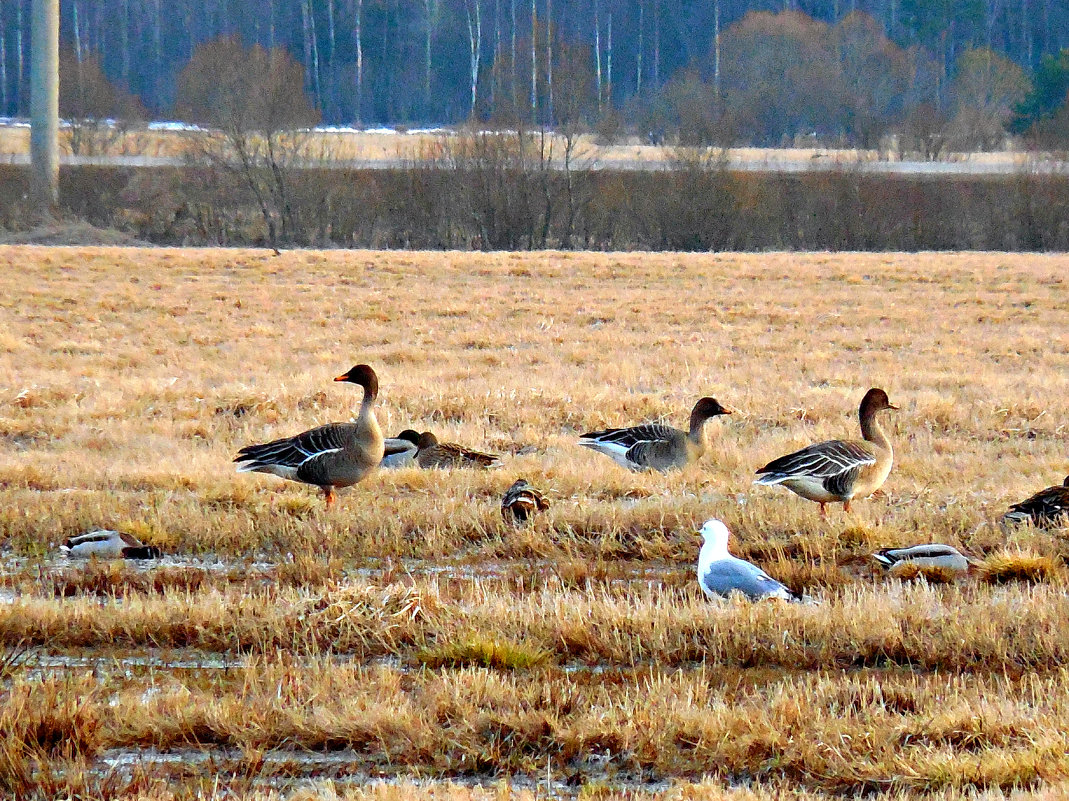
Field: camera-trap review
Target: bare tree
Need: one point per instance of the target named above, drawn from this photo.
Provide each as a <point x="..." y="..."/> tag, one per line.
<point x="254" y="100"/>
<point x="97" y="112"/>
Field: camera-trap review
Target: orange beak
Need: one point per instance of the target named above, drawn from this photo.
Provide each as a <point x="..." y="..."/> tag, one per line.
<point x="726" y="409"/>
<point x="342" y="377"/>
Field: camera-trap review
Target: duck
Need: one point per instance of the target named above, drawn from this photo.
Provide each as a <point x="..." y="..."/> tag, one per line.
<point x="837" y="471"/>
<point x="930" y="555"/>
<point x="721" y="575"/>
<point x="431" y="454"/>
<point x="329" y="456"/>
<point x="400" y="451"/>
<point x="1048" y="508"/>
<point x="655" y="446"/>
<point x="108" y="544"/>
<point x="521" y="501"/>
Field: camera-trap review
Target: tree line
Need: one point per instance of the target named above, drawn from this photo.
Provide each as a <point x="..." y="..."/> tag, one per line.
<point x="760" y="71"/>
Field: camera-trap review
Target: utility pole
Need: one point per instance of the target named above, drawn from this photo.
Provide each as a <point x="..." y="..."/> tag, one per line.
<point x="44" y="104"/>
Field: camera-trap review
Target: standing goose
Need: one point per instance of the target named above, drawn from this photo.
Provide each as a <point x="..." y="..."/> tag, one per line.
<point x="400" y="451"/>
<point x="655" y="446"/>
<point x="521" y="501"/>
<point x="1046" y="509"/>
<point x="838" y="471"/>
<point x="720" y="574"/>
<point x="330" y="456"/>
<point x="434" y="454"/>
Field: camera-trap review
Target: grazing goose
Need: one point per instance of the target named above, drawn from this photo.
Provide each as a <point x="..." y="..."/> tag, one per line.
<point x="720" y="574"/>
<point x="838" y="471"/>
<point x="330" y="456"/>
<point x="1048" y="508"/>
<point x="435" y="454"/>
<point x="400" y="451"/>
<point x="655" y="446"/>
<point x="521" y="501"/>
<point x="106" y="544"/>
<point x="934" y="555"/>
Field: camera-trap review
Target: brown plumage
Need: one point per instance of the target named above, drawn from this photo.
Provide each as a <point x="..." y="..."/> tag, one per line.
<point x="837" y="471"/>
<point x="1048" y="508"/>
<point x="434" y="454"/>
<point x="521" y="501"/>
<point x="655" y="446"/>
<point x="330" y="456"/>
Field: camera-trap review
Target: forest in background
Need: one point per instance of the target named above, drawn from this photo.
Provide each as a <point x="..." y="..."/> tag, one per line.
<point x="717" y="71"/>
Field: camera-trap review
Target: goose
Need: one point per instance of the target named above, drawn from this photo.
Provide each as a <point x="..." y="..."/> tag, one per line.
<point x="521" y="501"/>
<point x="837" y="471"/>
<point x="400" y="451"/>
<point x="1048" y="508"/>
<point x="107" y="544"/>
<point x="934" y="555"/>
<point x="434" y="454"/>
<point x="330" y="456"/>
<point x="655" y="446"/>
<point x="720" y="574"/>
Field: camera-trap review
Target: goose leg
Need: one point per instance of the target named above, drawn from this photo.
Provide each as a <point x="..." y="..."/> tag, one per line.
<point x="328" y="494"/>
<point x="823" y="511"/>
<point x="846" y="506"/>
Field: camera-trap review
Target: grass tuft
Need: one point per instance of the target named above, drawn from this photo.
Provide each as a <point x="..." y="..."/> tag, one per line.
<point x="1003" y="568"/>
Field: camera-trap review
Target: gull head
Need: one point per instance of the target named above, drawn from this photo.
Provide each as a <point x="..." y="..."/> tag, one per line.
<point x="715" y="533"/>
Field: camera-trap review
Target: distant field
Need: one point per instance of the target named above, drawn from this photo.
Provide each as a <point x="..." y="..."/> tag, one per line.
<point x="410" y="633"/>
<point x="382" y="145"/>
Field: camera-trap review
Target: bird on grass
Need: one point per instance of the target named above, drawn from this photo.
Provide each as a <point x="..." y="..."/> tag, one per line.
<point x="934" y="555"/>
<point x="432" y="454"/>
<point x="400" y="451"/>
<point x="1048" y="508"/>
<point x="107" y="544"/>
<point x="720" y="574"/>
<point x="655" y="446"/>
<point x="837" y="471"/>
<point x="521" y="501"/>
<point x="330" y="456"/>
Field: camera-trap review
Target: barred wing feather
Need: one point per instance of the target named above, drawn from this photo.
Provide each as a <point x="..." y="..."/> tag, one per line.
<point x="629" y="437"/>
<point x="821" y="461"/>
<point x="292" y="452"/>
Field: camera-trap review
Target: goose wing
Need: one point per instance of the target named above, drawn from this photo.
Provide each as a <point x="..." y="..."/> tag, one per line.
<point x="1046" y="504"/>
<point x="629" y="437"/>
<point x="291" y="453"/>
<point x="825" y="460"/>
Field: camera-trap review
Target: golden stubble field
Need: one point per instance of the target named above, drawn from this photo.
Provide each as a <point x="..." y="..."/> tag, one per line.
<point x="409" y="632"/>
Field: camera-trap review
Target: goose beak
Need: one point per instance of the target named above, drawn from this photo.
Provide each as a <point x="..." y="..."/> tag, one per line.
<point x="342" y="377"/>
<point x="889" y="405"/>
<point x="726" y="409"/>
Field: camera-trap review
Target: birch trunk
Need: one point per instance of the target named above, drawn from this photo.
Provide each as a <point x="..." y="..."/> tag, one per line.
<point x="475" y="37"/>
<point x="359" y="61"/>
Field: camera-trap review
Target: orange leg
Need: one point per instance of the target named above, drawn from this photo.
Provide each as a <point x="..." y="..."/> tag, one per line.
<point x="846" y="506"/>
<point x="328" y="493"/>
<point x="823" y="511"/>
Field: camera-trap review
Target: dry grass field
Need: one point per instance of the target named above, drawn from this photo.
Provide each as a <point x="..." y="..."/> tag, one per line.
<point x="409" y="635"/>
<point x="348" y="145"/>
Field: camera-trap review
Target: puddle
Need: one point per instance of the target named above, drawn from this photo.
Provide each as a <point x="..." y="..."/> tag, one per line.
<point x="347" y="767"/>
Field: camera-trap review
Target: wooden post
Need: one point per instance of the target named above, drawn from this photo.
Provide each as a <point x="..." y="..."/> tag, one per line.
<point x="44" y="104"/>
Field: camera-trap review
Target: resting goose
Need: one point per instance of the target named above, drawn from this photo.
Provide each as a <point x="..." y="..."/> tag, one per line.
<point x="655" y="446"/>
<point x="330" y="456"/>
<point x="107" y="544"/>
<point x="521" y="501"/>
<point x="932" y="555"/>
<point x="1046" y="509"/>
<point x="434" y="454"/>
<point x="720" y="574"/>
<point x="400" y="451"/>
<point x="838" y="471"/>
